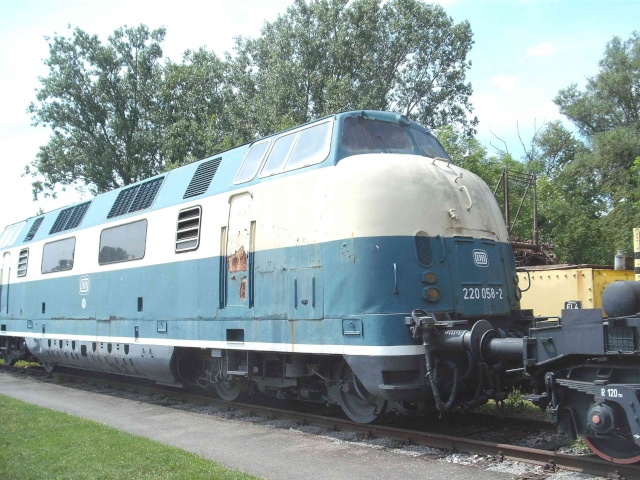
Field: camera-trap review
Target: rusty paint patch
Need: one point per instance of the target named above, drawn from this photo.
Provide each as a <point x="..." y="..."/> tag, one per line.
<point x="243" y="289"/>
<point x="238" y="261"/>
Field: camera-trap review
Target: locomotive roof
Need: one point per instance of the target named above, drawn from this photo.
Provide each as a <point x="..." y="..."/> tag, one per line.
<point x="209" y="176"/>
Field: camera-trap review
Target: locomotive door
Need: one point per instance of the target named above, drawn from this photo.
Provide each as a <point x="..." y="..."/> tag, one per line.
<point x="4" y="282"/>
<point x="239" y="252"/>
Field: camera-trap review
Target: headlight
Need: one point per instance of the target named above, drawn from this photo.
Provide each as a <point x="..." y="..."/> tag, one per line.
<point x="429" y="278"/>
<point x="431" y="294"/>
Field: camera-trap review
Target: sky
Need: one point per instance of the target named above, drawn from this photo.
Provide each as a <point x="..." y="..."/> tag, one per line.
<point x="524" y="53"/>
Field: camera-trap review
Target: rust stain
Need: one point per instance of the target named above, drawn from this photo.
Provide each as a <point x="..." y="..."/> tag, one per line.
<point x="237" y="262"/>
<point x="243" y="289"/>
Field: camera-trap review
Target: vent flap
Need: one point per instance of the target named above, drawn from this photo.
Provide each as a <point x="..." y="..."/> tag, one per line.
<point x="33" y="230"/>
<point x="138" y="197"/>
<point x="23" y="261"/>
<point x="69" y="218"/>
<point x="188" y="229"/>
<point x="202" y="177"/>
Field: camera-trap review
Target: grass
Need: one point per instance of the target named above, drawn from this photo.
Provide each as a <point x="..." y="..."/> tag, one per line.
<point x="578" y="446"/>
<point x="22" y="363"/>
<point x="514" y="405"/>
<point x="37" y="443"/>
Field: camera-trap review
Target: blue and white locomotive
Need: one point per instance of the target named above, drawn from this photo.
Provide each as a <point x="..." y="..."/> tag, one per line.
<point x="345" y="261"/>
<point x="288" y="265"/>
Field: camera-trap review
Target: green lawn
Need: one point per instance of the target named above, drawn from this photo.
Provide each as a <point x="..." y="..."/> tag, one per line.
<point x="37" y="443"/>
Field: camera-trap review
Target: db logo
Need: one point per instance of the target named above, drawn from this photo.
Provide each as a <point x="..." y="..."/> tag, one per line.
<point x="84" y="285"/>
<point x="480" y="258"/>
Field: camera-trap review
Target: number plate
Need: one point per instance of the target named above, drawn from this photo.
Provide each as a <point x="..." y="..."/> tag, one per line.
<point x="483" y="293"/>
<point x="572" y="305"/>
<point x="610" y="392"/>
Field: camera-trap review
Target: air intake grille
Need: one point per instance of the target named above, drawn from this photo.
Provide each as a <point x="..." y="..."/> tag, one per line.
<point x="34" y="228"/>
<point x="77" y="214"/>
<point x="620" y="339"/>
<point x="123" y="202"/>
<point x="146" y="195"/>
<point x="188" y="229"/>
<point x="138" y="197"/>
<point x="69" y="218"/>
<point x="202" y="178"/>
<point x="23" y="261"/>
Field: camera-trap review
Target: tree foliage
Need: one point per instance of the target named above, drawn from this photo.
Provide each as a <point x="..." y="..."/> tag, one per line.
<point x="100" y="101"/>
<point x="590" y="181"/>
<point x="120" y="112"/>
<point x="610" y="99"/>
<point x="331" y="55"/>
<point x="192" y="96"/>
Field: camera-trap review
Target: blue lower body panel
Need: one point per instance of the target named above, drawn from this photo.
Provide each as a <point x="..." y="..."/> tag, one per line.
<point x="349" y="296"/>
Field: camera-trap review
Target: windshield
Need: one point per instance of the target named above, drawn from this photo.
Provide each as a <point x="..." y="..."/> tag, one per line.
<point x="363" y="135"/>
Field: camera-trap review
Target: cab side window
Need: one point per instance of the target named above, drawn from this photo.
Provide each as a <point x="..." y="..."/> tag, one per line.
<point x="58" y="256"/>
<point x="123" y="243"/>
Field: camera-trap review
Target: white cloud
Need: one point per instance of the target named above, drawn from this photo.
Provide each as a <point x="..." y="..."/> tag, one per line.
<point x="22" y="29"/>
<point x="505" y="83"/>
<point x="504" y="117"/>
<point x="543" y="49"/>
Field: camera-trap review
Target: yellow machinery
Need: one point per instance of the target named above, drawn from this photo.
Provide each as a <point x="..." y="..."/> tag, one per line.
<point x="549" y="289"/>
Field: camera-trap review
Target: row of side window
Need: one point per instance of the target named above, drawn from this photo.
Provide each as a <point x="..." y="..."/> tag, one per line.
<point x="123" y="243"/>
<point x="305" y="146"/>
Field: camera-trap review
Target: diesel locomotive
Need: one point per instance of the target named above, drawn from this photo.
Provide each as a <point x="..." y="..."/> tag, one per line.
<point x="346" y="261"/>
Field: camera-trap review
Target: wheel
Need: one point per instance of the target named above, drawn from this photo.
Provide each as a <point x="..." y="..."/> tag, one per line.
<point x="616" y="450"/>
<point x="358" y="404"/>
<point x="48" y="367"/>
<point x="228" y="389"/>
<point x="10" y="358"/>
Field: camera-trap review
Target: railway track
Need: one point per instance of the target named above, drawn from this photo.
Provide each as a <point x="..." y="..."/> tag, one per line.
<point x="461" y="440"/>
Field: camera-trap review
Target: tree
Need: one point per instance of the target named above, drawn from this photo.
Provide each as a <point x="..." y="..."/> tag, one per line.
<point x="592" y="185"/>
<point x="569" y="206"/>
<point x="192" y="101"/>
<point x="119" y="114"/>
<point x="610" y="98"/>
<point x="101" y="102"/>
<point x="331" y="55"/>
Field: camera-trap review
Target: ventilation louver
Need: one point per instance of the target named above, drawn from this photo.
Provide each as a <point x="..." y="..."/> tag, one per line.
<point x="188" y="229"/>
<point x="202" y="178"/>
<point x="138" y="197"/>
<point x="34" y="228"/>
<point x="23" y="260"/>
<point x="69" y="218"/>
